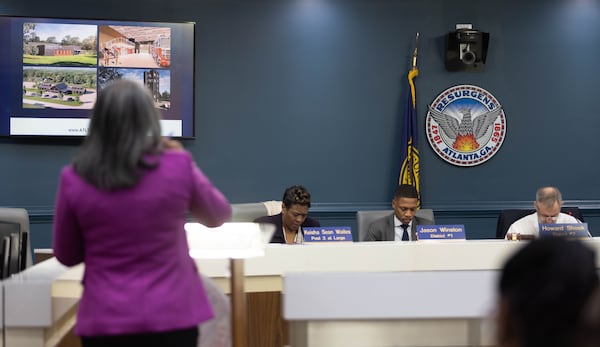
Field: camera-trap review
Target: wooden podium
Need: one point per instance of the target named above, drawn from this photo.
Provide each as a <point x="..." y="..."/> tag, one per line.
<point x="235" y="241"/>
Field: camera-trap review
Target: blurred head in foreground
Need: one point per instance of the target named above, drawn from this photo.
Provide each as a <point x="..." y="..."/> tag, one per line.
<point x="544" y="290"/>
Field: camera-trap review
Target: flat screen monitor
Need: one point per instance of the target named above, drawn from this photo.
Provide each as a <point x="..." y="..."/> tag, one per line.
<point x="51" y="70"/>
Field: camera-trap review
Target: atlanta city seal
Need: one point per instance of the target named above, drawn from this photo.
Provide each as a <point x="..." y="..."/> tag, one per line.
<point x="465" y="125"/>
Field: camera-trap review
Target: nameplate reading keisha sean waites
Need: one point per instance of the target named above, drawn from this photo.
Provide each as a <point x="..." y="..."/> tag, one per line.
<point x="327" y="234"/>
<point x="441" y="232"/>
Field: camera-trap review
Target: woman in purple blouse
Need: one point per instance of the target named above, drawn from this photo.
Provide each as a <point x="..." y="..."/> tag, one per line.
<point x="120" y="209"/>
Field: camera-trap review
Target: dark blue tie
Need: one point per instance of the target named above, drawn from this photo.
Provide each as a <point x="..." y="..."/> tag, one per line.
<point x="405" y="232"/>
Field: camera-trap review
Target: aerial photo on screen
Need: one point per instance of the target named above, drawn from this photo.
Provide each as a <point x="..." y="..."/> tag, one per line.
<point x="53" y="44"/>
<point x="134" y="46"/>
<point x="59" y="87"/>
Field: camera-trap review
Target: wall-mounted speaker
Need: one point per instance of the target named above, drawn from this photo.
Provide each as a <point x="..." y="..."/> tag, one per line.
<point x="466" y="50"/>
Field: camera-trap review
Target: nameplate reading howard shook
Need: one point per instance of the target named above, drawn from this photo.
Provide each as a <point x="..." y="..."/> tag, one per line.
<point x="570" y="230"/>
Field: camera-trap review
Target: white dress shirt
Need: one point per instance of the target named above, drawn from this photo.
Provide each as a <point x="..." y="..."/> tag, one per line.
<point x="529" y="224"/>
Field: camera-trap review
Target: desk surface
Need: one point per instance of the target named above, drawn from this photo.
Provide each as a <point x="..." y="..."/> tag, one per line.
<point x="265" y="273"/>
<point x="62" y="288"/>
<point x="390" y="295"/>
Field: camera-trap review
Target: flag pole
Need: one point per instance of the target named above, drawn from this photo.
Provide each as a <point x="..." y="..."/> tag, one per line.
<point x="410" y="167"/>
<point x="414" y="71"/>
<point x="415" y="52"/>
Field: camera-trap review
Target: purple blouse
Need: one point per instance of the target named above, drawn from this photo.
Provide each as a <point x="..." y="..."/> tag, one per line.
<point x="138" y="276"/>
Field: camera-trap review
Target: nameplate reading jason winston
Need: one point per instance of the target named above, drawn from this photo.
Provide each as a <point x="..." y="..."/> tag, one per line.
<point x="441" y="232"/>
<point x="327" y="234"/>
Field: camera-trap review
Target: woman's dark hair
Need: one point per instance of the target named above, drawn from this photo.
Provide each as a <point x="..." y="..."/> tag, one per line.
<point x="545" y="286"/>
<point x="296" y="195"/>
<point x="124" y="129"/>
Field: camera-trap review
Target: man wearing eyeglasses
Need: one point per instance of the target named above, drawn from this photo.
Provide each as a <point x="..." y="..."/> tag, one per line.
<point x="548" y="202"/>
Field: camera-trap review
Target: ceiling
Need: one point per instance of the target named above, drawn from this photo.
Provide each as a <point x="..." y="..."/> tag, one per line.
<point x="141" y="34"/>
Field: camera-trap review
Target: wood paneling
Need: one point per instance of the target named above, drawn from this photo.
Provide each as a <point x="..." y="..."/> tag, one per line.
<point x="70" y="340"/>
<point x="266" y="327"/>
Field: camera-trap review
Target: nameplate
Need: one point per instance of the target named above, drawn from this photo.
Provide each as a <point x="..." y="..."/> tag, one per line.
<point x="570" y="230"/>
<point x="327" y="234"/>
<point x="441" y="232"/>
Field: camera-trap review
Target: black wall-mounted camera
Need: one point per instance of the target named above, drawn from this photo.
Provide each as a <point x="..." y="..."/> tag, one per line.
<point x="466" y="50"/>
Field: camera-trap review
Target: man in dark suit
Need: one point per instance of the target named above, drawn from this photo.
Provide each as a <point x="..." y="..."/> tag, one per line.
<point x="293" y="216"/>
<point x="402" y="224"/>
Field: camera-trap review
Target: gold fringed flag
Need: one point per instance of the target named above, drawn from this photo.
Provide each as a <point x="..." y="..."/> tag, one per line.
<point x="409" y="154"/>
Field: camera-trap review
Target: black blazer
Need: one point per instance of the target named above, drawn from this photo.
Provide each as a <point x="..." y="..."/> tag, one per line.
<point x="276" y="219"/>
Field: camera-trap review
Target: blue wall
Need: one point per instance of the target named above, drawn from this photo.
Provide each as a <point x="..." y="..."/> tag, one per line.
<point x="310" y="92"/>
